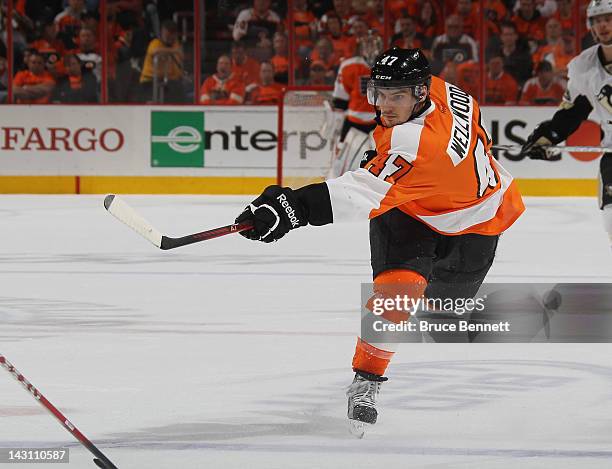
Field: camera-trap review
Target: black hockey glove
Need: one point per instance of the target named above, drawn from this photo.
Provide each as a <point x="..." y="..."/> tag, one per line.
<point x="537" y="145"/>
<point x="274" y="213"/>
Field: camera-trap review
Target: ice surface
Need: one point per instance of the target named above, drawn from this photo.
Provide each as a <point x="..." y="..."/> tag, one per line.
<point x="235" y="354"/>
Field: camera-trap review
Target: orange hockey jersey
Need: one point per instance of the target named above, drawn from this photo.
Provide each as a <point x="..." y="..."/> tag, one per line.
<point x="436" y="168"/>
<point x="350" y="86"/>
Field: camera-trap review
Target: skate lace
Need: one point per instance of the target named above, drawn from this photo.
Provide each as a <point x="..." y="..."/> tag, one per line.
<point x="364" y="392"/>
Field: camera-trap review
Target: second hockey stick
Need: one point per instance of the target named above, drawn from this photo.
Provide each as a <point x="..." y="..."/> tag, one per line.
<point x="126" y="214"/>
<point x="577" y="149"/>
<point x="101" y="460"/>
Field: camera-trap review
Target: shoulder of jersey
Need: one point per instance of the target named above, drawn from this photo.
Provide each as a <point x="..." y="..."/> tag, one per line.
<point x="584" y="61"/>
<point x="356" y="60"/>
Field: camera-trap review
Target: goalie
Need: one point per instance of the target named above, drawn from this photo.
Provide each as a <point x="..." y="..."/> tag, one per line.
<point x="352" y="119"/>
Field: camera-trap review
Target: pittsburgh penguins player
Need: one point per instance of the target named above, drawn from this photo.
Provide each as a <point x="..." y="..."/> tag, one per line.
<point x="589" y="89"/>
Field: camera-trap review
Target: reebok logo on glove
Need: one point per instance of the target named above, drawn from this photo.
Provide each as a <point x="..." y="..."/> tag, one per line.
<point x="273" y="214"/>
<point x="295" y="222"/>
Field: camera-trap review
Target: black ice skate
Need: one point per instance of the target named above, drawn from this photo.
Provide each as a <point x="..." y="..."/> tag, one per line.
<point x="362" y="395"/>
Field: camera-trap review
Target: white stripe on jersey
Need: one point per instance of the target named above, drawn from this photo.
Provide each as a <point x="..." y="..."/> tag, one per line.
<point x="459" y="220"/>
<point x="405" y="140"/>
<point x="355" y="194"/>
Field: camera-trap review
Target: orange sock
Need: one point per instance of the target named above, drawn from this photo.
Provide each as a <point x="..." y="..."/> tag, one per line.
<point x="373" y="359"/>
<point x="370" y="359"/>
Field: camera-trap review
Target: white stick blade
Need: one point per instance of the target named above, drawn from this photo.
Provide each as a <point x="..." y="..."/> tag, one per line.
<point x="126" y="214"/>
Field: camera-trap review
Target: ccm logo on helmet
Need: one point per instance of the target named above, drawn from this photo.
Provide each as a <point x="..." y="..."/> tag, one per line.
<point x="289" y="210"/>
<point x="383" y="77"/>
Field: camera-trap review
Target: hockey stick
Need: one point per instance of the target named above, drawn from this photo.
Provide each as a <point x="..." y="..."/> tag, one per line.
<point x="100" y="460"/>
<point x="126" y="214"/>
<point x="578" y="149"/>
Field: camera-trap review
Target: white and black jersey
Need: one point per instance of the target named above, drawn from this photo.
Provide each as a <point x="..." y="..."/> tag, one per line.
<point x="589" y="78"/>
<point x="589" y="90"/>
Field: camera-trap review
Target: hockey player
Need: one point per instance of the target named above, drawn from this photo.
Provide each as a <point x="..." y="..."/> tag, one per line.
<point x="352" y="108"/>
<point x="589" y="89"/>
<point x="436" y="199"/>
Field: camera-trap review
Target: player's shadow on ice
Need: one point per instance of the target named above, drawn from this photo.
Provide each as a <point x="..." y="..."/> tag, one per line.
<point x="304" y="425"/>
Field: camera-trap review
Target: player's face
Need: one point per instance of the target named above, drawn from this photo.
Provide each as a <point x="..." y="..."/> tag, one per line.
<point x="395" y="105"/>
<point x="602" y="27"/>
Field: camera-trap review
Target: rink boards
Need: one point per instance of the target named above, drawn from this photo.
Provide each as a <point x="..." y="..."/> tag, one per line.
<point x="223" y="150"/>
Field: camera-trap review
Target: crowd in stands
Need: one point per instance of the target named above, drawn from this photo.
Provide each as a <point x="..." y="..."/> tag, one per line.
<point x="57" y="49"/>
<point x="525" y="46"/>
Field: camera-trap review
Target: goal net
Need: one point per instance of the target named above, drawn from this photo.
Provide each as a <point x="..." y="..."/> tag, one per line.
<point x="304" y="147"/>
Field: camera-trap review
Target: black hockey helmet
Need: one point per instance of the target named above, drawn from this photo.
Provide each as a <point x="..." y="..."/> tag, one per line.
<point x="400" y="68"/>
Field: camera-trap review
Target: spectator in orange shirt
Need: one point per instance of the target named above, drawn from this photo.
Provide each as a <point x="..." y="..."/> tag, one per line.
<point x="222" y="87"/>
<point x="449" y="72"/>
<point x="77" y="86"/>
<point x="342" y="44"/>
<point x="552" y="40"/>
<point x="324" y="52"/>
<point x="398" y="8"/>
<point x="366" y="10"/>
<point x="48" y="43"/>
<point x="342" y="9"/>
<point x="495" y="11"/>
<point x="468" y="11"/>
<point x="560" y="57"/>
<point x="33" y="86"/>
<point x="304" y="22"/>
<point x="468" y="78"/>
<point x="464" y="75"/>
<point x="565" y="15"/>
<point x="266" y="91"/>
<point x="280" y="59"/>
<point x="529" y="23"/>
<point x="69" y="22"/>
<point x="244" y="68"/>
<point x="544" y="89"/>
<point x="500" y="87"/>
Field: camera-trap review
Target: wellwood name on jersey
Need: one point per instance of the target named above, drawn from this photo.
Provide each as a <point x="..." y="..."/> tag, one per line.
<point x="83" y="139"/>
<point x="460" y="104"/>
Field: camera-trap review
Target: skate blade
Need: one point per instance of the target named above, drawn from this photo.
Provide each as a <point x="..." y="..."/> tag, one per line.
<point x="357" y="428"/>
